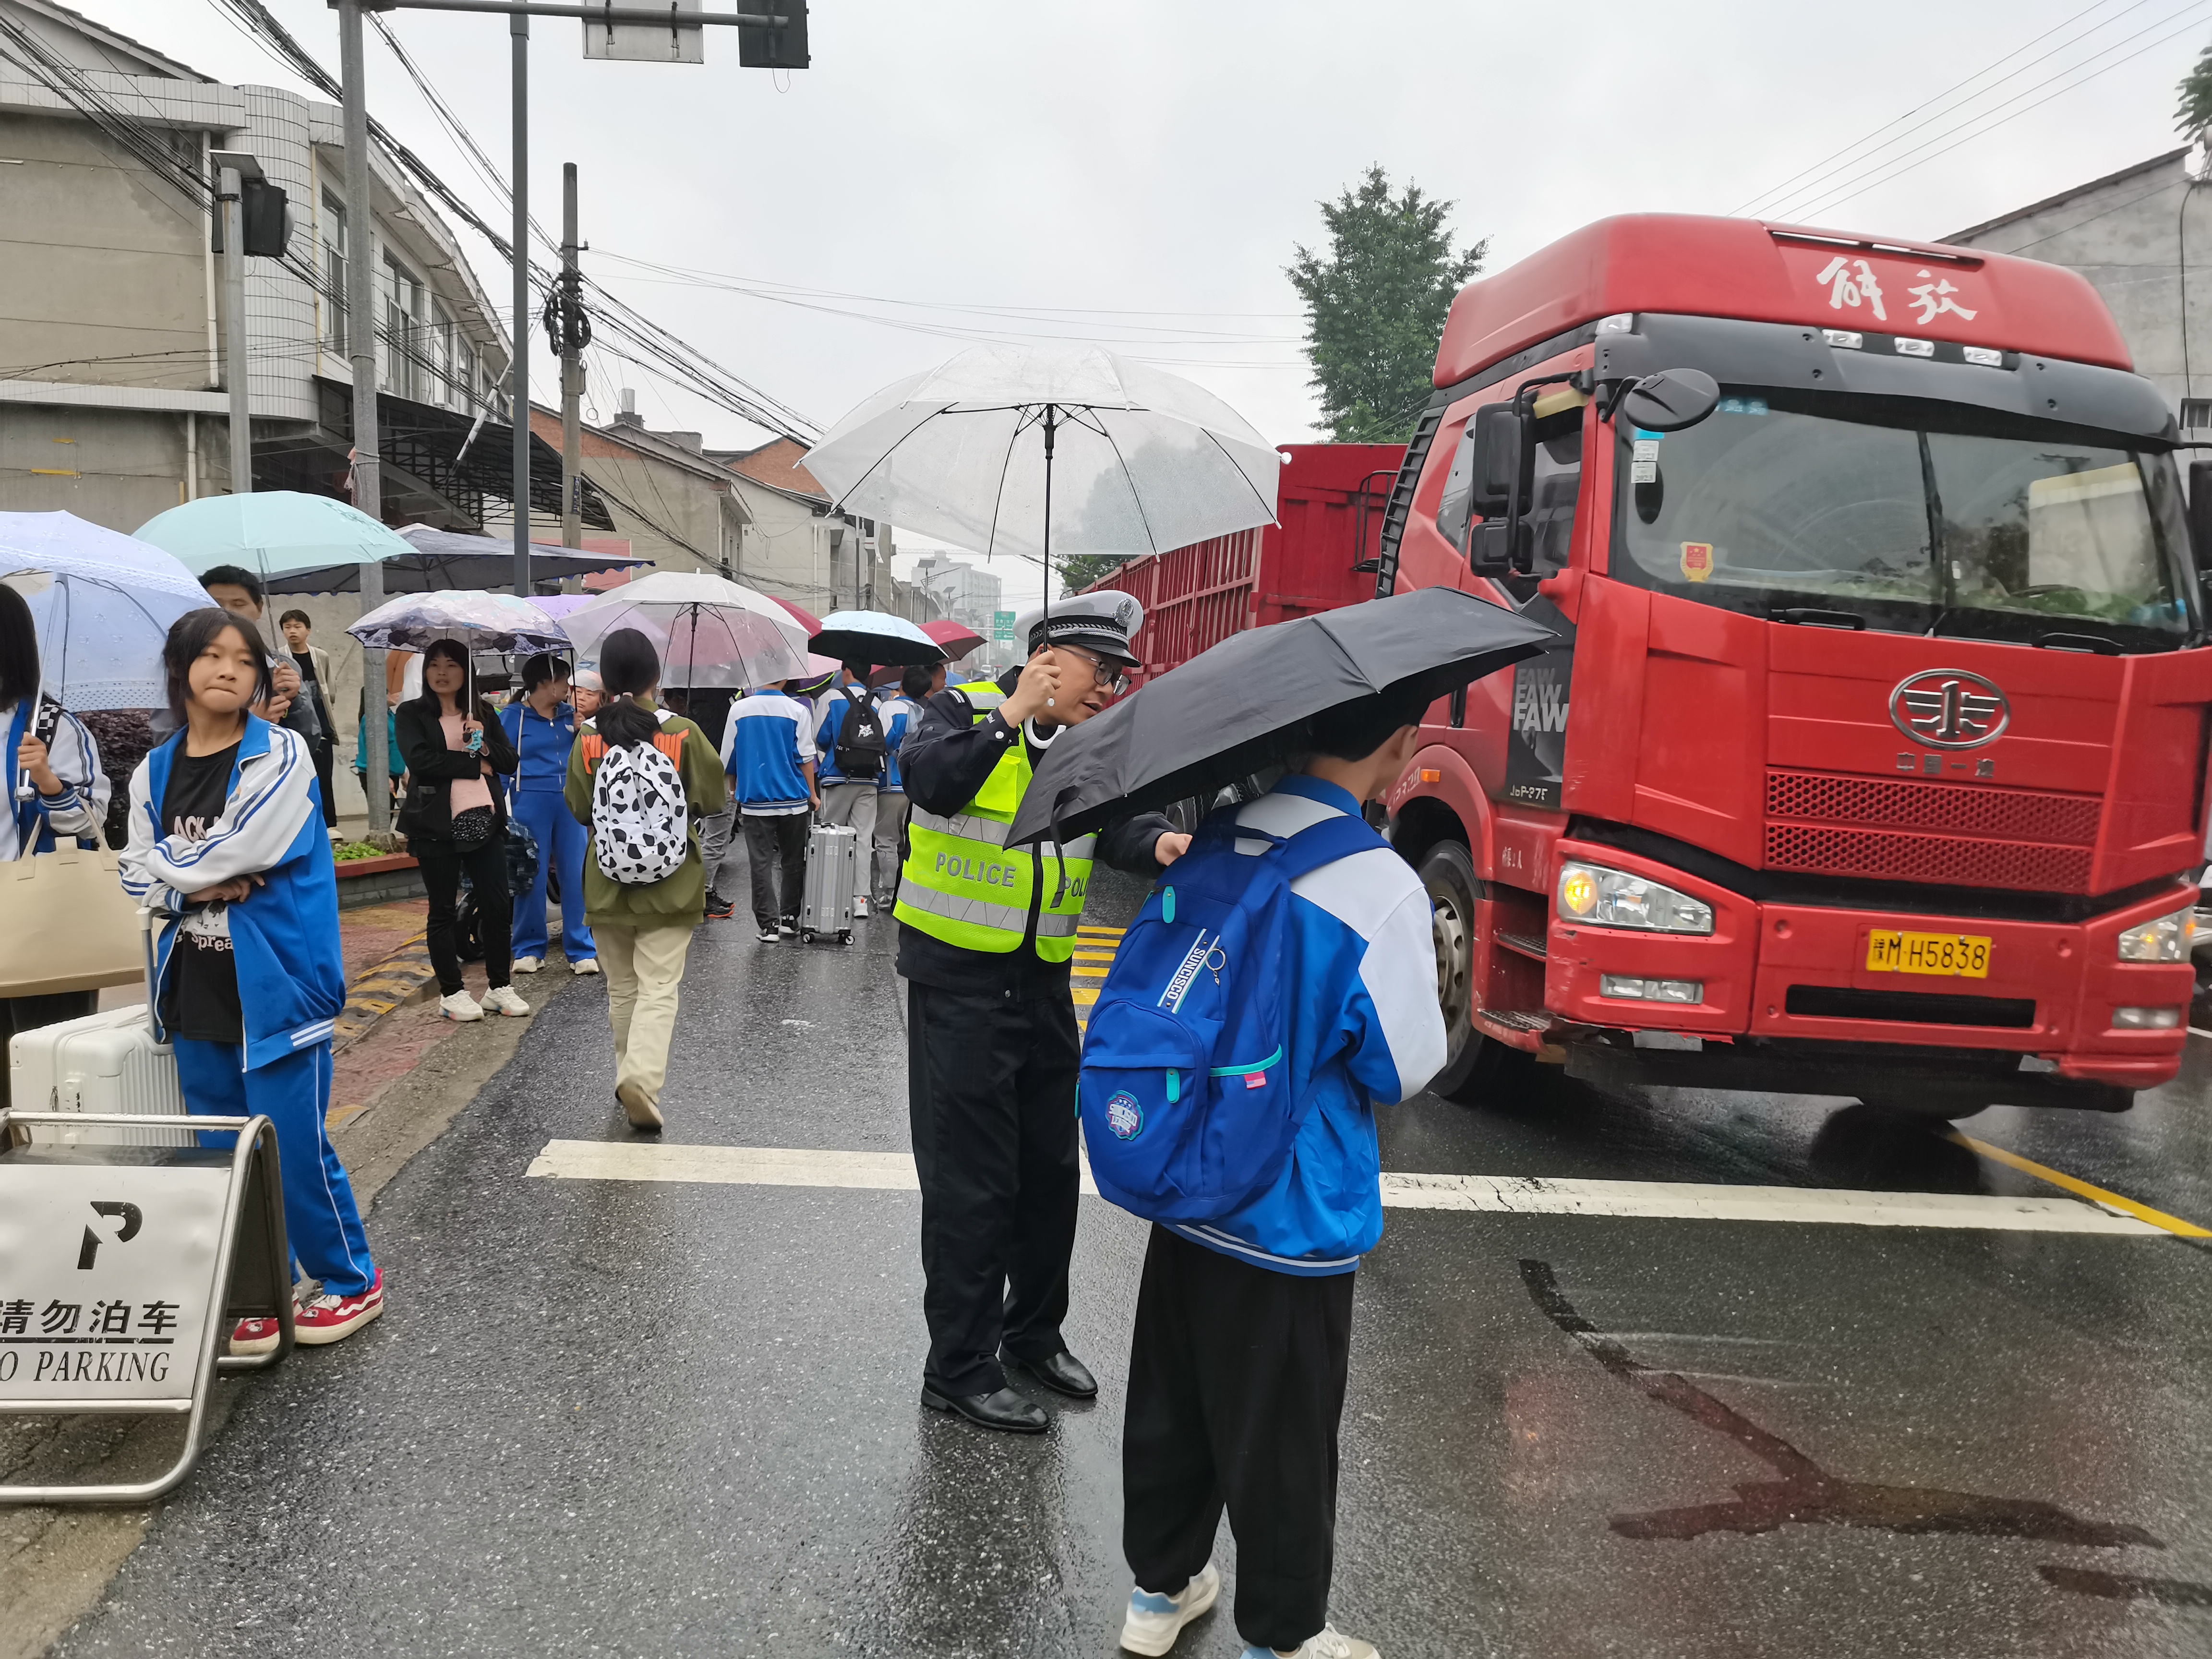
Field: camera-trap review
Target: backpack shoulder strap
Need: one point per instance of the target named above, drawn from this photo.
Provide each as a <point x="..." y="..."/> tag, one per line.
<point x="1333" y="838"/>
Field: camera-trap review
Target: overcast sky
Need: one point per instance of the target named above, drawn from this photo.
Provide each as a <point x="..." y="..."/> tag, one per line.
<point x="1138" y="173"/>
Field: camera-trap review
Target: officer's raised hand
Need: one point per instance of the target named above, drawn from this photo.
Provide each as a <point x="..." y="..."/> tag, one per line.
<point x="1039" y="691"/>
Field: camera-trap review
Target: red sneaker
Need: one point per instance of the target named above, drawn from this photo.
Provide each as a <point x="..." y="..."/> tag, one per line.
<point x="256" y="1336"/>
<point x="330" y="1318"/>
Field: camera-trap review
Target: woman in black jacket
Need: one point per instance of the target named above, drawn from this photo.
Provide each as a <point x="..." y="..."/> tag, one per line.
<point x="456" y="819"/>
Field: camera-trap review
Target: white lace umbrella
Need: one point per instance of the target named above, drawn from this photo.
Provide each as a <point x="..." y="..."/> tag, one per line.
<point x="1006" y="450"/>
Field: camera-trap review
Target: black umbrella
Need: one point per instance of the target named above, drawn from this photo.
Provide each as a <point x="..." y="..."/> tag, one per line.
<point x="1248" y="703"/>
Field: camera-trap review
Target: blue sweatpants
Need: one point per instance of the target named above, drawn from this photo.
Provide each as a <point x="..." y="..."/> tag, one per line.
<point x="293" y="1093"/>
<point x="562" y="843"/>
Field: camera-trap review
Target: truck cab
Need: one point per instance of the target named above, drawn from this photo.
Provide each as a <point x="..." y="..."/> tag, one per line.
<point x="1871" y="759"/>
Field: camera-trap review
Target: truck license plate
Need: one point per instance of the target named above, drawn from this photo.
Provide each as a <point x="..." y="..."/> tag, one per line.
<point x="1958" y="955"/>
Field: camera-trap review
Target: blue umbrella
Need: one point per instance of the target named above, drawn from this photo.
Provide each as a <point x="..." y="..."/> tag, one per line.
<point x="275" y="534"/>
<point x="102" y="603"/>
<point x="875" y="636"/>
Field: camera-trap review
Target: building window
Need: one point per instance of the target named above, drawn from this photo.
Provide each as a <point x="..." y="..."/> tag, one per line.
<point x="2195" y="414"/>
<point x="438" y="356"/>
<point x="334" y="272"/>
<point x="403" y="329"/>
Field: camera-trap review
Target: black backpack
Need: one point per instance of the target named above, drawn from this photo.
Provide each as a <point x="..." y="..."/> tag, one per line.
<point x="861" y="745"/>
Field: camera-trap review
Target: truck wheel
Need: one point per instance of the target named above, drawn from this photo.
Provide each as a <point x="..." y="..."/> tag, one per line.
<point x="1474" y="1065"/>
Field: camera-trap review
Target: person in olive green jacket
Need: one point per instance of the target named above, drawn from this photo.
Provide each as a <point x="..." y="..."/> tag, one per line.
<point x="643" y="929"/>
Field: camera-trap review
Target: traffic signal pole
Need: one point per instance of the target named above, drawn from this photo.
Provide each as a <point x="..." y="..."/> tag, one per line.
<point x="570" y="315"/>
<point x="518" y="27"/>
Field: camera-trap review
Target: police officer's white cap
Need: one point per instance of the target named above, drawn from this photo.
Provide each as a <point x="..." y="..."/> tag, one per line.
<point x="1104" y="622"/>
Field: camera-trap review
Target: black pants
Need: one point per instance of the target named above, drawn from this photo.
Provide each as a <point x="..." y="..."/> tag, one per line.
<point x="442" y="862"/>
<point x="325" y="757"/>
<point x="772" y="846"/>
<point x="990" y="1098"/>
<point x="28" y="1014"/>
<point x="1236" y="1387"/>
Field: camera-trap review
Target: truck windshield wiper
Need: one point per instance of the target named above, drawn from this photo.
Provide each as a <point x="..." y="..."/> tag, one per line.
<point x="2094" y="643"/>
<point x="1808" y="616"/>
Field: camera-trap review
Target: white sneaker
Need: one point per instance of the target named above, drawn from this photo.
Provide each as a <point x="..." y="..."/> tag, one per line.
<point x="588" y="966"/>
<point x="502" y="1000"/>
<point x="527" y="964"/>
<point x="1155" y="1621"/>
<point x="459" y="1005"/>
<point x="1330" y="1644"/>
<point x="860" y="910"/>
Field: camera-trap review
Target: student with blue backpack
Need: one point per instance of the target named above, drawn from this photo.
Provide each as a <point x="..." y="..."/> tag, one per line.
<point x="1278" y="984"/>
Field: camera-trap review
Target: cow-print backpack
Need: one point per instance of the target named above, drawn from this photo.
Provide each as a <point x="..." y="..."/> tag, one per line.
<point x="640" y="829"/>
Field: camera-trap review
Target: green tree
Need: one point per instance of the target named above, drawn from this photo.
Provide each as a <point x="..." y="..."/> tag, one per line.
<point x="1080" y="570"/>
<point x="2194" y="114"/>
<point x="1375" y="304"/>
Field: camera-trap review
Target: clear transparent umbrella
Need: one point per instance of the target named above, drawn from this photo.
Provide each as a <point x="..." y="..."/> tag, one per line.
<point x="710" y="632"/>
<point x="1006" y="450"/>
<point x="102" y="603"/>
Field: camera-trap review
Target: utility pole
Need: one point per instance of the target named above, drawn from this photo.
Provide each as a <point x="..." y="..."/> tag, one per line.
<point x="361" y="351"/>
<point x="573" y="332"/>
<point x="519" y="26"/>
<point x="233" y="167"/>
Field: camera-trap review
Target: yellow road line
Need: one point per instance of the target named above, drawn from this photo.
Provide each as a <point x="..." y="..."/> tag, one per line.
<point x="1101" y="933"/>
<point x="1083" y="996"/>
<point x="1094" y="955"/>
<point x="2081" y="1188"/>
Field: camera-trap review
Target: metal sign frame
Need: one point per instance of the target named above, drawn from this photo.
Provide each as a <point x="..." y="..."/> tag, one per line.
<point x="254" y="1170"/>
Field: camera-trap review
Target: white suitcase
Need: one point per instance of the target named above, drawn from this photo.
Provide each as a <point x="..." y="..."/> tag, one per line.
<point x="833" y="871"/>
<point x="105" y="1064"/>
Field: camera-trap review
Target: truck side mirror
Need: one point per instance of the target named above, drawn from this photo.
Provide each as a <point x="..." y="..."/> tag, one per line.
<point x="1501" y="449"/>
<point x="1670" y="400"/>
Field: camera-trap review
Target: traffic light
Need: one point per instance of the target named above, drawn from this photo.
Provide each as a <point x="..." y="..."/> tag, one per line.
<point x="784" y="48"/>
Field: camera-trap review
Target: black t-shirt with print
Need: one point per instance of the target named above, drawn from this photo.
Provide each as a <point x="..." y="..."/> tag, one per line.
<point x="202" y="993"/>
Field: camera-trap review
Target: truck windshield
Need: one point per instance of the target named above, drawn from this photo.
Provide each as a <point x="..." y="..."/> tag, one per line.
<point x="1940" y="519"/>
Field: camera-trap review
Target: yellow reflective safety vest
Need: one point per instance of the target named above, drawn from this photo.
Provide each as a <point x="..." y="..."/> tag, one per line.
<point x="962" y="884"/>
<point x="983" y="696"/>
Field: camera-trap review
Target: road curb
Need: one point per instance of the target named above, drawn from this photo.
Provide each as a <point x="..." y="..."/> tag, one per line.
<point x="387" y="984"/>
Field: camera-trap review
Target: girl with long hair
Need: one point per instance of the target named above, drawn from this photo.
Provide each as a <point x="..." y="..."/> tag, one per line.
<point x="643" y="927"/>
<point x="456" y="821"/>
<point x="227" y="848"/>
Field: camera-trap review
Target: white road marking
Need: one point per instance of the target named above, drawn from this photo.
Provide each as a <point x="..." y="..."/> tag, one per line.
<point x="1703" y="1201"/>
<point x="783" y="1166"/>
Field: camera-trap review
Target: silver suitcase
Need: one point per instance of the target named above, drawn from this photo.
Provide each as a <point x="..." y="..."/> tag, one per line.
<point x="104" y="1065"/>
<point x="833" y="869"/>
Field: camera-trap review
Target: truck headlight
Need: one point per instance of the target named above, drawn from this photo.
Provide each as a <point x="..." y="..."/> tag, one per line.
<point x="1614" y="898"/>
<point x="2166" y="939"/>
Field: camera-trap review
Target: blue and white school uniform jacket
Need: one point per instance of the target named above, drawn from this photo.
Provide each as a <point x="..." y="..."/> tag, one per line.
<point x="898" y="712"/>
<point x="284" y="935"/>
<point x="829" y="712"/>
<point x="77" y="814"/>
<point x="769" y="735"/>
<point x="1364" y="1030"/>
<point x="543" y="746"/>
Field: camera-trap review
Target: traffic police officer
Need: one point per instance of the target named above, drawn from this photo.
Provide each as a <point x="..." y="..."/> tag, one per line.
<point x="986" y="934"/>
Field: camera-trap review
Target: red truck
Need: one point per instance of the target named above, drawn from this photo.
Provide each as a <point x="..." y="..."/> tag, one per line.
<point x="1872" y="758"/>
<point x="1321" y="552"/>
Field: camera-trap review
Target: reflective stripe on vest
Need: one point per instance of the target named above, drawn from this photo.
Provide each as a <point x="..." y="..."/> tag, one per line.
<point x="983" y="697"/>
<point x="961" y="883"/>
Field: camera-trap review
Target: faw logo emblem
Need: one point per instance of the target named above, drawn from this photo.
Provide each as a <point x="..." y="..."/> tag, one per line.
<point x="1950" y="708"/>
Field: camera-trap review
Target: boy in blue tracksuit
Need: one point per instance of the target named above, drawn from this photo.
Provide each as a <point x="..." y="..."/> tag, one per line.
<point x="768" y="749"/>
<point x="542" y="730"/>
<point x="1244" y="1329"/>
<point x="899" y="707"/>
<point x="228" y="848"/>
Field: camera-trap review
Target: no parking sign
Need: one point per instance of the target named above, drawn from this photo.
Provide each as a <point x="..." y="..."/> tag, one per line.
<point x="121" y="1270"/>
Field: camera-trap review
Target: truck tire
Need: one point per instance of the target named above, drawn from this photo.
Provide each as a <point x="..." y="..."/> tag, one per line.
<point x="1474" y="1065"/>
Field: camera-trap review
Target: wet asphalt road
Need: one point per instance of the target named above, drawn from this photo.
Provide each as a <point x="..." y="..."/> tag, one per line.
<point x="616" y="1417"/>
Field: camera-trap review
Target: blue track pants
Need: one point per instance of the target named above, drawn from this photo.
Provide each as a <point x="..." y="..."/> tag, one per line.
<point x="293" y="1093"/>
<point x="562" y="843"/>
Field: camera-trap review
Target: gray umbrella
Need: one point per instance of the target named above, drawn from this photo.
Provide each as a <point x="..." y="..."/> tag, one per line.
<point x="1247" y="702"/>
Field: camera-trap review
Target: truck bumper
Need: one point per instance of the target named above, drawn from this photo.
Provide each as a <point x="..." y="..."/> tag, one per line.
<point x="1776" y="977"/>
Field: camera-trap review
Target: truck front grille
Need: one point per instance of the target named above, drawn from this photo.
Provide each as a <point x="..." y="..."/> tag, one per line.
<point x="1906" y="830"/>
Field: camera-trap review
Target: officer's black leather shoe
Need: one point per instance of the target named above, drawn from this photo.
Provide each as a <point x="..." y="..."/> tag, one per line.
<point x="1000" y="1409"/>
<point x="1063" y="1373"/>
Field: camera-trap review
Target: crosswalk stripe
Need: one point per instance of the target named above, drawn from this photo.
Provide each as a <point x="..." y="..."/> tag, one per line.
<point x="783" y="1166"/>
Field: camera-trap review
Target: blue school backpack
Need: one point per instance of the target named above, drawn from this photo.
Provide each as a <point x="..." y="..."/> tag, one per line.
<point x="1185" y="1094"/>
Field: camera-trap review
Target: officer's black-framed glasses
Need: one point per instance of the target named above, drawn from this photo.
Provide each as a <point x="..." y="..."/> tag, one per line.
<point x="1110" y="675"/>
